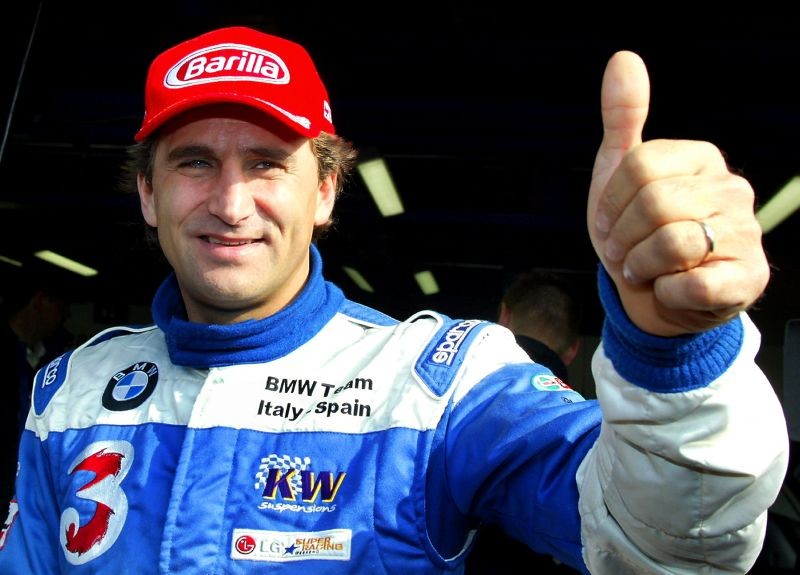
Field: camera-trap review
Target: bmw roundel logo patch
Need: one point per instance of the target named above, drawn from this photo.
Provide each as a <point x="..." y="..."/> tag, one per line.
<point x="130" y="387"/>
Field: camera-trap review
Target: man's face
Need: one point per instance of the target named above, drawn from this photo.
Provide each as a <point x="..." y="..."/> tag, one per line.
<point x="235" y="198"/>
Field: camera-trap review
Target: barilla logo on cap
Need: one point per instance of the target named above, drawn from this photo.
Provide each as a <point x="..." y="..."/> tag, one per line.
<point x="227" y="63"/>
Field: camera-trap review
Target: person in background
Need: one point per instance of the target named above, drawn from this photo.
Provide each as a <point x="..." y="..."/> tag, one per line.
<point x="542" y="310"/>
<point x="33" y="310"/>
<point x="266" y="423"/>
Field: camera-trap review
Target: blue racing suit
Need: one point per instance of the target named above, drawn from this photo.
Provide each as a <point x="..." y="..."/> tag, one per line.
<point x="334" y="439"/>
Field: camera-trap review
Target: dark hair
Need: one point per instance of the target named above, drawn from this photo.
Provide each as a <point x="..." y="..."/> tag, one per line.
<point x="334" y="154"/>
<point x="545" y="302"/>
<point x="34" y="276"/>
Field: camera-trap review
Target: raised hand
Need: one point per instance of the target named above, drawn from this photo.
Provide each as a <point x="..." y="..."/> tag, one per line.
<point x="672" y="225"/>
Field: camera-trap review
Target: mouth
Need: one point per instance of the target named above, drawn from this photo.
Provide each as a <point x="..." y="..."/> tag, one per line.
<point x="224" y="242"/>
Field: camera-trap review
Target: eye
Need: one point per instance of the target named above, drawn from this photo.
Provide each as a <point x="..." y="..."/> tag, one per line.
<point x="193" y="167"/>
<point x="195" y="163"/>
<point x="265" y="165"/>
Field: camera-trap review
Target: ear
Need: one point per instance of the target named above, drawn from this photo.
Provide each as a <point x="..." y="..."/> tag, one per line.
<point x="147" y="200"/>
<point x="568" y="356"/>
<point x="504" y="317"/>
<point x="326" y="198"/>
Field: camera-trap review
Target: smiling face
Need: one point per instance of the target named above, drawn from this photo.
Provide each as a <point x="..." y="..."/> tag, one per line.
<point x="235" y="197"/>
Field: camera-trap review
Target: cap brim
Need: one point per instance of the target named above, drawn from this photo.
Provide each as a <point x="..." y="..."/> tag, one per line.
<point x="298" y="125"/>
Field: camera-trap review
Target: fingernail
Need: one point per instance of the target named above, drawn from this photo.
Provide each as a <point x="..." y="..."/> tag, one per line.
<point x="613" y="251"/>
<point x="601" y="222"/>
<point x="628" y="275"/>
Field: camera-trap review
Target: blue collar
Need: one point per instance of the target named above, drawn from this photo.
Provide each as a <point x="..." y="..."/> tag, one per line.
<point x="205" y="345"/>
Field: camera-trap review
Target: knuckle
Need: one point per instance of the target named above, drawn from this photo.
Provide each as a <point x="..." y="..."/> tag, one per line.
<point x="710" y="150"/>
<point x="655" y="203"/>
<point x="701" y="291"/>
<point x="742" y="189"/>
<point x="671" y="244"/>
<point x="637" y="163"/>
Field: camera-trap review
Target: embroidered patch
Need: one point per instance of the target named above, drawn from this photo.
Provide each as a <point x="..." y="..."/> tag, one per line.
<point x="259" y="545"/>
<point x="547" y="382"/>
<point x="129" y="388"/>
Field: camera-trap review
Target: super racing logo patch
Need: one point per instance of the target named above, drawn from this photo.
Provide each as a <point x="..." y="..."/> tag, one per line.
<point x="130" y="387"/>
<point x="272" y="546"/>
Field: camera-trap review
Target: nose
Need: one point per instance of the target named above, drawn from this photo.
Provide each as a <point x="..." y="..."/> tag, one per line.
<point x="232" y="200"/>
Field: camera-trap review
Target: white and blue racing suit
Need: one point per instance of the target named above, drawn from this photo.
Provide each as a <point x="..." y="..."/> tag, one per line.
<point x="334" y="439"/>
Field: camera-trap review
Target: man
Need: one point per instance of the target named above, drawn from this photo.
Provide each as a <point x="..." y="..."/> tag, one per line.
<point x="542" y="311"/>
<point x="265" y="423"/>
<point x="33" y="311"/>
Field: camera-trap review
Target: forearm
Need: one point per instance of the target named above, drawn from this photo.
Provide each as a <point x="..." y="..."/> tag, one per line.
<point x="680" y="479"/>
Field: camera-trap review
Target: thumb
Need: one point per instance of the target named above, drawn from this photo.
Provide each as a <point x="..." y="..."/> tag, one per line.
<point x="624" y="101"/>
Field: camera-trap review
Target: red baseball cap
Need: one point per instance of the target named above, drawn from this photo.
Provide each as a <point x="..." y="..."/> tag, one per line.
<point x="237" y="65"/>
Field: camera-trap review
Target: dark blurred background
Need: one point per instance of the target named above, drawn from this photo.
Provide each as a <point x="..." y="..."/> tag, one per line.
<point x="487" y="116"/>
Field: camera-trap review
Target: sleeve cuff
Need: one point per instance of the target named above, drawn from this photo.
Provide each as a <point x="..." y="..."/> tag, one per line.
<point x="664" y="364"/>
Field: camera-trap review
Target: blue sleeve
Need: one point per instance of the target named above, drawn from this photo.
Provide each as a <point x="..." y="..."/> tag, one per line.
<point x="510" y="451"/>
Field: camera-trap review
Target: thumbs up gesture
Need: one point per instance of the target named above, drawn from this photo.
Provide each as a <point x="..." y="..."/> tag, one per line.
<point x="672" y="225"/>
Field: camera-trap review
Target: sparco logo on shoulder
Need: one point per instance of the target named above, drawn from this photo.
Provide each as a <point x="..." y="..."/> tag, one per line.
<point x="448" y="345"/>
<point x="226" y="63"/>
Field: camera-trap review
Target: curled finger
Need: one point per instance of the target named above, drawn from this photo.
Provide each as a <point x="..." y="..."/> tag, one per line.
<point x="672" y="248"/>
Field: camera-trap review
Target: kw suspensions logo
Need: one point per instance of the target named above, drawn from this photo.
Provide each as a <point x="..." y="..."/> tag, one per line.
<point x="283" y="478"/>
